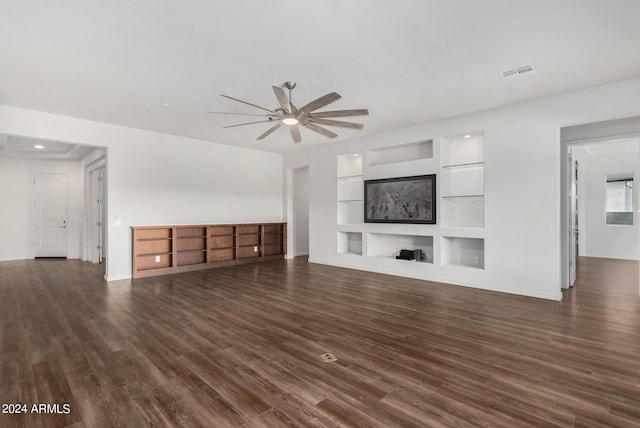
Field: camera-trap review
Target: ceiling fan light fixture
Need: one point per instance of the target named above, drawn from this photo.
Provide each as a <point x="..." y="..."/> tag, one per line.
<point x="306" y="116"/>
<point x="290" y="120"/>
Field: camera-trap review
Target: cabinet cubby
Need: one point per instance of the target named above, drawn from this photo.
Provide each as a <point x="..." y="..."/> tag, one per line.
<point x="462" y="181"/>
<point x="273" y="239"/>
<point x="400" y="153"/>
<point x="387" y="245"/>
<point x="350" y="243"/>
<point x="222" y="243"/>
<point x="463" y="212"/>
<point x="463" y="252"/>
<point x="350" y="189"/>
<point x="462" y="149"/>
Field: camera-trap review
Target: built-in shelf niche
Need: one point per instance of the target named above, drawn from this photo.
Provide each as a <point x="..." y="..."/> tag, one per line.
<point x="463" y="252"/>
<point x="465" y="211"/>
<point x="400" y="153"/>
<point x="462" y="180"/>
<point x="350" y="190"/>
<point x="462" y="149"/>
<point x="350" y="243"/>
<point x="387" y="245"/>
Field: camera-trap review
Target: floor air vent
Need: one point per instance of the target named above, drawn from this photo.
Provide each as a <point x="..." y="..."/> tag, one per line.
<point x="328" y="358"/>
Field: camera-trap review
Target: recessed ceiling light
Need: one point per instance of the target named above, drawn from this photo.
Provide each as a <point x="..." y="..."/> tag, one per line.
<point x="38" y="146"/>
<point x="355" y="155"/>
<point x="165" y="105"/>
<point x="467" y="136"/>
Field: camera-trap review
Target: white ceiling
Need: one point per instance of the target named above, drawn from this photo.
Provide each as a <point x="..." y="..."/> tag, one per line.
<point x="160" y="65"/>
<point x="22" y="147"/>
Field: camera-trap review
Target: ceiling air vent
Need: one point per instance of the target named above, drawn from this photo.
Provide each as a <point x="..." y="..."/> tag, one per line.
<point x="518" y="72"/>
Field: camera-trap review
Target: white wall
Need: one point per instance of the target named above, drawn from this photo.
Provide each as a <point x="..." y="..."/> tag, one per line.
<point x="14" y="194"/>
<point x="156" y="178"/>
<point x="17" y="193"/>
<point x="301" y="211"/>
<point x="597" y="238"/>
<point x="522" y="189"/>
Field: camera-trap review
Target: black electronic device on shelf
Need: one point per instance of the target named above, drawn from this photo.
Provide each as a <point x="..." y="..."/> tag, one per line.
<point x="416" y="254"/>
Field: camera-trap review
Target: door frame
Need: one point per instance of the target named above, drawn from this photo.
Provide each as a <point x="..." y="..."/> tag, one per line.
<point x="594" y="132"/>
<point x="90" y="214"/>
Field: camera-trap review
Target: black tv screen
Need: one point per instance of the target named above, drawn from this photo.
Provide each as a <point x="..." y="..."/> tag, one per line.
<point x="401" y="200"/>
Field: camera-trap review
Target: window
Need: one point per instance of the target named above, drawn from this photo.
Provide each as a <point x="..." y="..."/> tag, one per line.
<point x="620" y="201"/>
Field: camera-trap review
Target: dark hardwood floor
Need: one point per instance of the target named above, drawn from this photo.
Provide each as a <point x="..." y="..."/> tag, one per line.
<point x="241" y="346"/>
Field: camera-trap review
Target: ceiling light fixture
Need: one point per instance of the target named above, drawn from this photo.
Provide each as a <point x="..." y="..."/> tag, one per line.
<point x="290" y="121"/>
<point x="467" y="136"/>
<point x="38" y="146"/>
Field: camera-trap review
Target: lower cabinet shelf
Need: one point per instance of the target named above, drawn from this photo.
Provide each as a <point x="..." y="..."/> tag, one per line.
<point x="162" y="250"/>
<point x="188" y="258"/>
<point x="147" y="262"/>
<point x="388" y="245"/>
<point x="463" y="252"/>
<point x="350" y="243"/>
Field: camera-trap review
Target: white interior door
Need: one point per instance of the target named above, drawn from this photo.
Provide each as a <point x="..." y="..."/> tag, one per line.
<point x="50" y="215"/>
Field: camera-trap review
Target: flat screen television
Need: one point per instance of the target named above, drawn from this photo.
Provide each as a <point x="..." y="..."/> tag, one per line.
<point x="401" y="200"/>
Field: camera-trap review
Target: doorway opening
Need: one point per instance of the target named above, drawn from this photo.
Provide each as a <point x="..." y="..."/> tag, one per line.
<point x="46" y="196"/>
<point x="593" y="155"/>
<point x="298" y="211"/>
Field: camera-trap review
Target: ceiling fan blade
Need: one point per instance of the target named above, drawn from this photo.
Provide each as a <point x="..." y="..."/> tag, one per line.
<point x="320" y="102"/>
<point x="248" y="123"/>
<point x="282" y="98"/>
<point x="339" y="123"/>
<point x="236" y="114"/>
<point x="340" y="113"/>
<point x="245" y="102"/>
<point x="295" y="133"/>
<point x="320" y="130"/>
<point x="269" y="131"/>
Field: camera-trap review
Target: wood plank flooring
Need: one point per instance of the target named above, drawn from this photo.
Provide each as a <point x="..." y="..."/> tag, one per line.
<point x="241" y="346"/>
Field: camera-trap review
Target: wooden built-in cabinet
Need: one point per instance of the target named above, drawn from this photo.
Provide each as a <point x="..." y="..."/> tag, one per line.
<point x="161" y="250"/>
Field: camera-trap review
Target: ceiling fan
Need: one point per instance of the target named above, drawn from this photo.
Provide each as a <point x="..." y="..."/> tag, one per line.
<point x="291" y="116"/>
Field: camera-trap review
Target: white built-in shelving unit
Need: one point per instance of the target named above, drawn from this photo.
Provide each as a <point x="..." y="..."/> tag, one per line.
<point x="455" y="242"/>
<point x="462" y="196"/>
<point x="350" y="203"/>
<point x="350" y="199"/>
<point x="376" y="241"/>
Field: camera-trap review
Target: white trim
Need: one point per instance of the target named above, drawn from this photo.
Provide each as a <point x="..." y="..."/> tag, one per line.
<point x="547" y="296"/>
